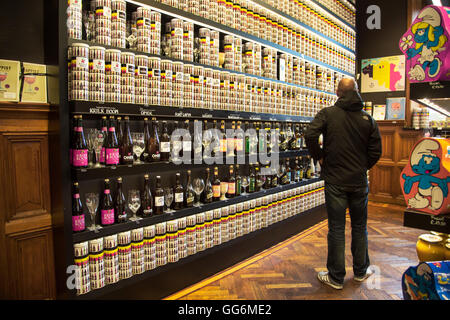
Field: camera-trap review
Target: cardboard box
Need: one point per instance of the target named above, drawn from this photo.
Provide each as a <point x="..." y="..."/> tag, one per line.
<point x="34" y="86"/>
<point x="9" y="80"/>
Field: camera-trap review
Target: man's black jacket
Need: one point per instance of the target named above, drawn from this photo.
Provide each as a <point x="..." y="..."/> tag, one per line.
<point x="351" y="141"/>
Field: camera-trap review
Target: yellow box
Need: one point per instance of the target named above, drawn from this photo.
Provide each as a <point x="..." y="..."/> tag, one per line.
<point x="34" y="86"/>
<point x="9" y="80"/>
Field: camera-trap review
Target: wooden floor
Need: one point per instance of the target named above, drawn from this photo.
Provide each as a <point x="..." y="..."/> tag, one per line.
<point x="289" y="269"/>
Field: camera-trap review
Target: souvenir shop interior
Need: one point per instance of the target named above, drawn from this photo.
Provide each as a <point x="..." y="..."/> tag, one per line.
<point x="155" y="149"/>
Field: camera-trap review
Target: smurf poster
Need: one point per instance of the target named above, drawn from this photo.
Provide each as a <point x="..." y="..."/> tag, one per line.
<point x="426" y="45"/>
<point x="425" y="180"/>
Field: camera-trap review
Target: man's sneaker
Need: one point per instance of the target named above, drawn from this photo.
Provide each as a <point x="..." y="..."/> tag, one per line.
<point x="369" y="272"/>
<point x="323" y="277"/>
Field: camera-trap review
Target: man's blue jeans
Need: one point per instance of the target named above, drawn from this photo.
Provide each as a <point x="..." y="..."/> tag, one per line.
<point x="338" y="199"/>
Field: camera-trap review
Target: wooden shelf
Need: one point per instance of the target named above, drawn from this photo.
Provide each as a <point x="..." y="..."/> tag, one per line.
<point x="124" y="170"/>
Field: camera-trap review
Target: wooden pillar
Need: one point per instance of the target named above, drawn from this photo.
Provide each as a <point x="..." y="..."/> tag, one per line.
<point x="414" y="7"/>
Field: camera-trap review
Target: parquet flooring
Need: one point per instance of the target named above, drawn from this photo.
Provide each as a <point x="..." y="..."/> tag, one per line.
<point x="289" y="269"/>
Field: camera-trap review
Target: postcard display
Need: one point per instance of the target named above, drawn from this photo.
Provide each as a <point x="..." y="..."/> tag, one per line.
<point x="272" y="61"/>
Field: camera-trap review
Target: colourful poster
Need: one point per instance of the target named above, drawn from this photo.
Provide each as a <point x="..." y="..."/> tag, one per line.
<point x="385" y="74"/>
<point x="379" y="112"/>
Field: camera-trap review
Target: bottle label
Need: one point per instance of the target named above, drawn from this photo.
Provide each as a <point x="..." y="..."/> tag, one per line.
<point x="159" y="201"/>
<point x="223" y="145"/>
<point x="252" y="185"/>
<point x="147" y="211"/>
<point x="156" y="156"/>
<point x="216" y="191"/>
<point x="239" y="144"/>
<point x="80" y="158"/>
<point x="187" y="145"/>
<point x="179" y="197"/>
<point x="165" y="146"/>
<point x="112" y="156"/>
<point x="177" y="146"/>
<point x="231" y="188"/>
<point x="122" y="217"/>
<point x="128" y="157"/>
<point x="78" y="223"/>
<point x="107" y="216"/>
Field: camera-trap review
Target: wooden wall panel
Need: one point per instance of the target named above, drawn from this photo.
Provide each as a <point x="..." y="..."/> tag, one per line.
<point x="388" y="144"/>
<point x="30" y="261"/>
<point x="385" y="175"/>
<point x="26" y="237"/>
<point x="27" y="175"/>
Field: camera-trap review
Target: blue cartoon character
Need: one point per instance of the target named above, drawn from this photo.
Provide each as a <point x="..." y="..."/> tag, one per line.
<point x="432" y="190"/>
<point x="429" y="42"/>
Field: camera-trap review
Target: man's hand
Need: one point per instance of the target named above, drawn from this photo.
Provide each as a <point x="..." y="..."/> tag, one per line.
<point x="321" y="162"/>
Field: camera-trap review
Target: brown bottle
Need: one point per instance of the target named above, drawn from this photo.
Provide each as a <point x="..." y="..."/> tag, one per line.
<point x="207" y="195"/>
<point x="155" y="154"/>
<point x="147" y="199"/>
<point x="189" y="194"/>
<point x="120" y="206"/>
<point x="165" y="143"/>
<point x="178" y="194"/>
<point x="146" y="154"/>
<point x="231" y="192"/>
<point x="126" y="148"/>
<point x="216" y="185"/>
<point x="159" y="197"/>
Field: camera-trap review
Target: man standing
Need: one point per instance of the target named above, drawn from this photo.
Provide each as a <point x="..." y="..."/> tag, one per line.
<point x="351" y="146"/>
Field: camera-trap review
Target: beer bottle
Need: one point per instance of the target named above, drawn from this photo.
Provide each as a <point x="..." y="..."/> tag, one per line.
<point x="178" y="193"/>
<point x="107" y="206"/>
<point x="159" y="197"/>
<point x="126" y="149"/>
<point x="120" y="206"/>
<point x="78" y="222"/>
<point x="147" y="198"/>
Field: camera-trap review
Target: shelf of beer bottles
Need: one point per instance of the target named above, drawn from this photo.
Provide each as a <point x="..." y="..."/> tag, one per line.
<point x="148" y="221"/>
<point x="162" y="166"/>
<point x="176" y="113"/>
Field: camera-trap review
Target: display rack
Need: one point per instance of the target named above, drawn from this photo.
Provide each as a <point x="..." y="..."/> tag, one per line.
<point x="63" y="233"/>
<point x="261" y="3"/>
<point x="434" y="95"/>
<point x="200" y="21"/>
